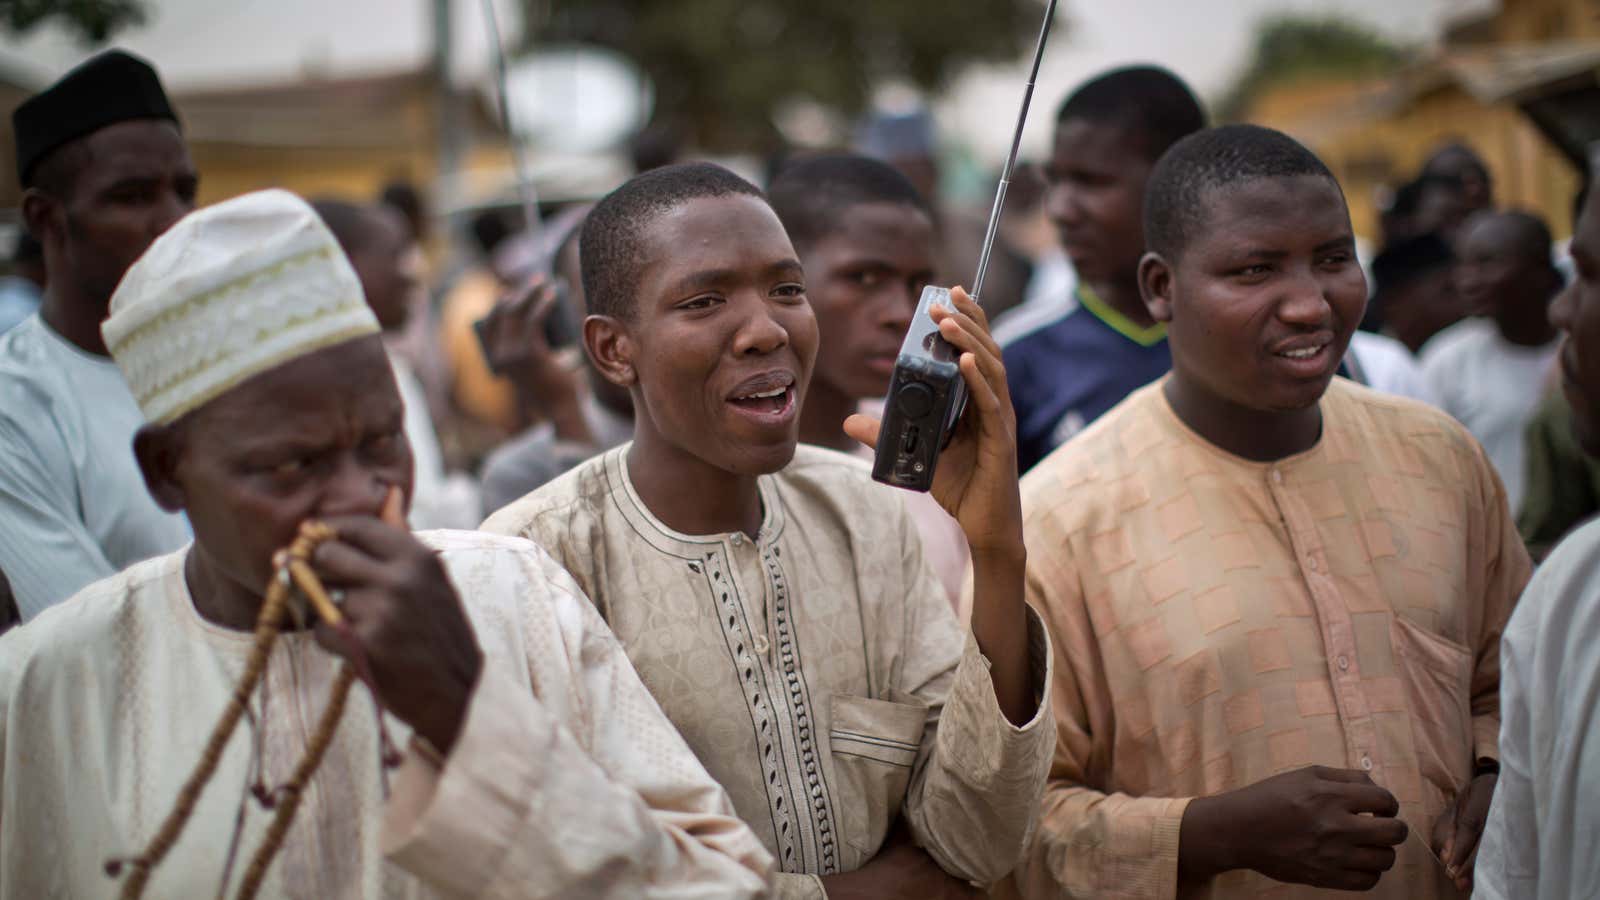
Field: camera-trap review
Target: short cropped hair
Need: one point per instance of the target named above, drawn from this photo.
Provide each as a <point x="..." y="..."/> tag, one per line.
<point x="1149" y="101"/>
<point x="1444" y="181"/>
<point x="1442" y="161"/>
<point x="611" y="247"/>
<point x="1405" y="199"/>
<point x="809" y="195"/>
<point x="1404" y="261"/>
<point x="351" y="223"/>
<point x="1530" y="236"/>
<point x="1175" y="197"/>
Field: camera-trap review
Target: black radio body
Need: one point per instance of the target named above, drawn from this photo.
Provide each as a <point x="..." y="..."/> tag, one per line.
<point x="926" y="397"/>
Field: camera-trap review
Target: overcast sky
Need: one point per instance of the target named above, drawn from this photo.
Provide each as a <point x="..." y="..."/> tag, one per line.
<point x="242" y="40"/>
<point x="1205" y="41"/>
<point x="211" y="43"/>
<point x="216" y="42"/>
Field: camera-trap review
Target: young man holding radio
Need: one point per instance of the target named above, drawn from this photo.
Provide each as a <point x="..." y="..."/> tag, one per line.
<point x="776" y="601"/>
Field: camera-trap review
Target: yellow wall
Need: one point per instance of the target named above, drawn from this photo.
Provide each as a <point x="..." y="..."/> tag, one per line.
<point x="228" y="170"/>
<point x="1372" y="147"/>
<point x="348" y="140"/>
<point x="1529" y="173"/>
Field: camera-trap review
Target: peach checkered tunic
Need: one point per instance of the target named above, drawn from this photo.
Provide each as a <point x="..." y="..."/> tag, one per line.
<point x="1217" y="621"/>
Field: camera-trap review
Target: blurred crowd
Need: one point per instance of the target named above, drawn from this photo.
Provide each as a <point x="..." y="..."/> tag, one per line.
<point x="1278" y="500"/>
<point x="501" y="403"/>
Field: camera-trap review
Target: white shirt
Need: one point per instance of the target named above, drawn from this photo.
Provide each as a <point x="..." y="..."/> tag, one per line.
<point x="1493" y="387"/>
<point x="1384" y="364"/>
<point x="73" y="505"/>
<point x="439" y="499"/>
<point x="1544" y="823"/>
<point x="1051" y="294"/>
<point x="565" y="781"/>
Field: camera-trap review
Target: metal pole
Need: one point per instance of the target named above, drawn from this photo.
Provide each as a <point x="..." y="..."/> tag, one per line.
<point x="530" y="202"/>
<point x="1011" y="158"/>
<point x="452" y="136"/>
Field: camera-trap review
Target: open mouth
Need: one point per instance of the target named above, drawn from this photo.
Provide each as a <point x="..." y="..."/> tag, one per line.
<point x="1303" y="353"/>
<point x="769" y="402"/>
<point x="769" y="398"/>
<point x="1306" y="358"/>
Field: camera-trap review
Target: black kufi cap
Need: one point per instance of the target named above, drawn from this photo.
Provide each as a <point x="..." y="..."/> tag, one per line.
<point x="109" y="88"/>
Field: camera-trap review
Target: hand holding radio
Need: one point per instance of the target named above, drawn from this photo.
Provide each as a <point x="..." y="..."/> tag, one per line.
<point x="928" y="391"/>
<point x="976" y="481"/>
<point x="947" y="355"/>
<point x="976" y="477"/>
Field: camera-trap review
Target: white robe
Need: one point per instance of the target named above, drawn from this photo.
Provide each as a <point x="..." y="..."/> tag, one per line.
<point x="439" y="499"/>
<point x="566" y="779"/>
<point x="1493" y="387"/>
<point x="1544" y="822"/>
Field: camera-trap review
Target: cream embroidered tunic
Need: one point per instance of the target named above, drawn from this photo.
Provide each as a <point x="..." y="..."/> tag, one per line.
<point x="566" y="781"/>
<point x="818" y="670"/>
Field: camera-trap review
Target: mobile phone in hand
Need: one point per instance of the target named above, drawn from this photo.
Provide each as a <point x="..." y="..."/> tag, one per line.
<point x="560" y="329"/>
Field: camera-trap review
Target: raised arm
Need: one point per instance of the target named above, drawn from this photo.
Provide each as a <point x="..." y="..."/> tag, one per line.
<point x="973" y="796"/>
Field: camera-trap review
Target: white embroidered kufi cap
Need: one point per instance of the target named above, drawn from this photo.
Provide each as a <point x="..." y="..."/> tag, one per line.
<point x="227" y="293"/>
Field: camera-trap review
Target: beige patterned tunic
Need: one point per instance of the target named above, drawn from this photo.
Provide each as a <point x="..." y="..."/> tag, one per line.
<point x="565" y="781"/>
<point x="1218" y="621"/>
<point x="818" y="670"/>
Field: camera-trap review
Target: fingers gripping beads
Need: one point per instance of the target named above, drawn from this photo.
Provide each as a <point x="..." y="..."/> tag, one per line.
<point x="292" y="569"/>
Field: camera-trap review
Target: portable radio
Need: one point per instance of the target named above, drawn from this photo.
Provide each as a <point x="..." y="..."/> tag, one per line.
<point x="926" y="392"/>
<point x="926" y="397"/>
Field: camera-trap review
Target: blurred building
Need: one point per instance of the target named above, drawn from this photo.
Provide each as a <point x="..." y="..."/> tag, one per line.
<point x="1518" y="82"/>
<point x="308" y="95"/>
<point x="345" y="136"/>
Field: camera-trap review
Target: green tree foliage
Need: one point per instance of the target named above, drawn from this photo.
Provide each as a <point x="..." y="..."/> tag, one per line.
<point x="720" y="67"/>
<point x="1288" y="48"/>
<point x="92" y="20"/>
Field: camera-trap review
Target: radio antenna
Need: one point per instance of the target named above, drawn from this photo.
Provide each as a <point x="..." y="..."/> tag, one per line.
<point x="1011" y="158"/>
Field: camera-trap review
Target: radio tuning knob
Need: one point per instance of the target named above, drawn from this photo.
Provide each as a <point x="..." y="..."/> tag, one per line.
<point x="914" y="400"/>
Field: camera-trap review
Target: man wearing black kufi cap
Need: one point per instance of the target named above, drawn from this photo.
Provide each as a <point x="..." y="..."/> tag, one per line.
<point x="104" y="171"/>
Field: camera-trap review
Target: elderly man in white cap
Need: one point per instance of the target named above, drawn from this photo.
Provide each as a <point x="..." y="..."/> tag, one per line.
<point x="535" y="764"/>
